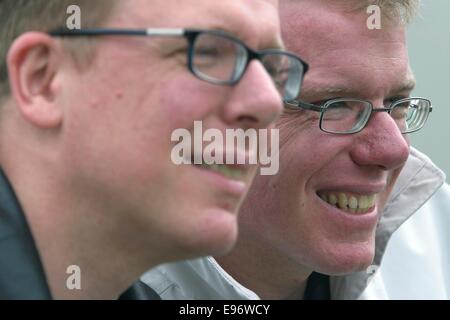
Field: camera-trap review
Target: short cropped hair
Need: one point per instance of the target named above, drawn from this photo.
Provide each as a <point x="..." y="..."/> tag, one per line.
<point x="405" y="10"/>
<point x="20" y="16"/>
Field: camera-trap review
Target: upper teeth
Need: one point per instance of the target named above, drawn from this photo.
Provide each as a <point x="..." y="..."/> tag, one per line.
<point x="352" y="203"/>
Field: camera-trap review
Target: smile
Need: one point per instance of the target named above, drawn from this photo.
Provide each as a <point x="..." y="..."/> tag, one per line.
<point x="350" y="202"/>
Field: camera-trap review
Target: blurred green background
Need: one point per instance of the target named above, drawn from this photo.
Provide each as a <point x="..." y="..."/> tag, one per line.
<point x="429" y="49"/>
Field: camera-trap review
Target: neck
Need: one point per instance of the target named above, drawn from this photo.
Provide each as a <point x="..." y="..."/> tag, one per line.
<point x="69" y="230"/>
<point x="265" y="270"/>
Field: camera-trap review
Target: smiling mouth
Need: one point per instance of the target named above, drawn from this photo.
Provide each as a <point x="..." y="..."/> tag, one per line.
<point x="349" y="202"/>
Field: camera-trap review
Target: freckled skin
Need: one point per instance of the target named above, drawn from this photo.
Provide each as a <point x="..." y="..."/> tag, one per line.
<point x="283" y="221"/>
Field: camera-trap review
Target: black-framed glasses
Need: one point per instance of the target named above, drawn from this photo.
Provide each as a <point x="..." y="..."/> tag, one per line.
<point x="347" y="115"/>
<point x="220" y="58"/>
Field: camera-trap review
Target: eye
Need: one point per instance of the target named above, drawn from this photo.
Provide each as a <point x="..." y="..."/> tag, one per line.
<point x="206" y="56"/>
<point x="400" y="110"/>
<point x="280" y="77"/>
<point x="405" y="110"/>
<point x="206" y="52"/>
<point x="339" y="105"/>
<point x="347" y="110"/>
<point x="339" y="110"/>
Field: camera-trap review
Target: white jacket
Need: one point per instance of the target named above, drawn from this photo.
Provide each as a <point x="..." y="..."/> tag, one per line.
<point x="416" y="263"/>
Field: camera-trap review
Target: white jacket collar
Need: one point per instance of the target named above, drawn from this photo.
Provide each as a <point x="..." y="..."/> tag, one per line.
<point x="199" y="279"/>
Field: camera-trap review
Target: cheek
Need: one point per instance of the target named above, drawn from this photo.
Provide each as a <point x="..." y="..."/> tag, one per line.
<point x="187" y="99"/>
<point x="274" y="204"/>
<point x="276" y="213"/>
<point x="304" y="155"/>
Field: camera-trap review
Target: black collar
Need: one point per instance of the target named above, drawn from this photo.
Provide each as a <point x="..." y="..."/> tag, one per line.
<point x="21" y="273"/>
<point x="317" y="287"/>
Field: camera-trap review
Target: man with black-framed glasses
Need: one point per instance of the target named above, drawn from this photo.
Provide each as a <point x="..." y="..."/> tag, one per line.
<point x="319" y="229"/>
<point x="218" y="57"/>
<point x="90" y="196"/>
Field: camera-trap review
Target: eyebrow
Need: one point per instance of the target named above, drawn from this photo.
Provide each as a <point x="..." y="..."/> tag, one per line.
<point x="230" y="25"/>
<point x="316" y="91"/>
<point x="274" y="43"/>
<point x="408" y="85"/>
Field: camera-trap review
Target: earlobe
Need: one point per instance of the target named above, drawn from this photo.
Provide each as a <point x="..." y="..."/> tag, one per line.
<point x="33" y="64"/>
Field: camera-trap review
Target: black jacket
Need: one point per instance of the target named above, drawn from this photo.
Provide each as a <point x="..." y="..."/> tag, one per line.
<point x="21" y="273"/>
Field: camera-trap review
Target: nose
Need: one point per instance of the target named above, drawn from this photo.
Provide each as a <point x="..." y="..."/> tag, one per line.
<point x="381" y="144"/>
<point x="254" y="102"/>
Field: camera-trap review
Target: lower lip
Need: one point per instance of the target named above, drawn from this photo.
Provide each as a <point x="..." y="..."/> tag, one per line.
<point x="351" y="221"/>
<point x="230" y="186"/>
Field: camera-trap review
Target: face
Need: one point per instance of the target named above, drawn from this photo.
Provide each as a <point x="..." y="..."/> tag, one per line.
<point x="288" y="212"/>
<point x="121" y="112"/>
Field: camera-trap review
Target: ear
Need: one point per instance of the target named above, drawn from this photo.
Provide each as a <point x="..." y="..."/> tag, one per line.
<point x="34" y="61"/>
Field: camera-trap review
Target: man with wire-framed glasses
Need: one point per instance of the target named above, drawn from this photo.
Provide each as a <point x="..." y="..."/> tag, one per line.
<point x="347" y="115"/>
<point x="89" y="195"/>
<point x="319" y="229"/>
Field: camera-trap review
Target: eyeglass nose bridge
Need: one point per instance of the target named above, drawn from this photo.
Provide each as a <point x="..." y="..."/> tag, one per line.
<point x="259" y="56"/>
<point x="244" y="65"/>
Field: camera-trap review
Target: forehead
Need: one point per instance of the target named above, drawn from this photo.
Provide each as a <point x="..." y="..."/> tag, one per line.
<point x="240" y="17"/>
<point x="342" y="52"/>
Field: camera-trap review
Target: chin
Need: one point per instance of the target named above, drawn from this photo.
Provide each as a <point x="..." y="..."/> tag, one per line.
<point x="215" y="235"/>
<point x="345" y="259"/>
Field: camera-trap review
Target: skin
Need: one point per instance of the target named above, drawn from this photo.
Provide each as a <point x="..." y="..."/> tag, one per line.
<point x="286" y="230"/>
<point x="88" y="149"/>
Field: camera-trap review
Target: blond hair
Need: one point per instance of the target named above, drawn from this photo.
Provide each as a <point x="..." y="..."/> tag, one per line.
<point x="405" y="10"/>
<point x="20" y="16"/>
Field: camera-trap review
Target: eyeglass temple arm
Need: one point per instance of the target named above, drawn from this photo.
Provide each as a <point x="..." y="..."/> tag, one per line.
<point x="118" y="32"/>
